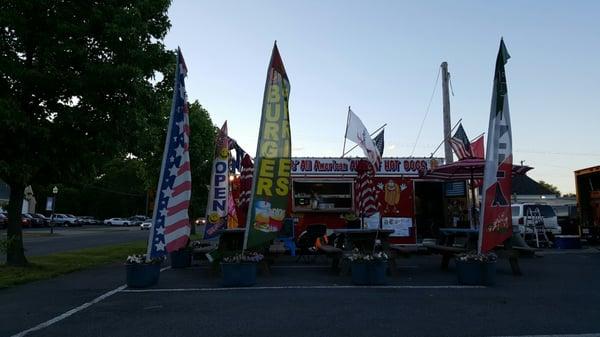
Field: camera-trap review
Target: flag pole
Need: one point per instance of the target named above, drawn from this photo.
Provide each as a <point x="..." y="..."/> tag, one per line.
<point x="447" y="136"/>
<point x="479" y="135"/>
<point x="355" y="146"/>
<point x="346" y="132"/>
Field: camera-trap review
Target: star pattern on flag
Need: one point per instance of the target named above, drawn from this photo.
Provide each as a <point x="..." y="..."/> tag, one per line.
<point x="160" y="246"/>
<point x="179" y="151"/>
<point x="173" y="170"/>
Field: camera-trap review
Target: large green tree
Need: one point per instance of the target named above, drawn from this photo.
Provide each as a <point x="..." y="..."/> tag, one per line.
<point x="76" y="90"/>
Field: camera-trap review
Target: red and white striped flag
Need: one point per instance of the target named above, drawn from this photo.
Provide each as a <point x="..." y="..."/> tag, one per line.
<point x="170" y="220"/>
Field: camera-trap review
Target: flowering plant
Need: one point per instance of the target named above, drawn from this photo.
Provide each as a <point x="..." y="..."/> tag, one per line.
<point x="141" y="259"/>
<point x="358" y="256"/>
<point x="202" y="243"/>
<point x="473" y="256"/>
<point x="349" y="216"/>
<point x="244" y="257"/>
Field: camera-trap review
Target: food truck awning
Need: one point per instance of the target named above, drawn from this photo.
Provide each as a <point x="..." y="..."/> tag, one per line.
<point x="467" y="169"/>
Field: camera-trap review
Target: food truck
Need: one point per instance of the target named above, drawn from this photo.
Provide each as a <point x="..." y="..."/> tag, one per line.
<point x="323" y="192"/>
<point x="587" y="186"/>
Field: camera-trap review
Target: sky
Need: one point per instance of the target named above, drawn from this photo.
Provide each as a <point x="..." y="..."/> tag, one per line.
<point x="382" y="58"/>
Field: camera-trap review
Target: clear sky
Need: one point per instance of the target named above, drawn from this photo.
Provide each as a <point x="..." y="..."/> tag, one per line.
<point x="382" y="58"/>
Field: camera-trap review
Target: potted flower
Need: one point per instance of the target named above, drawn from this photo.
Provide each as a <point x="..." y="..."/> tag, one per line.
<point x="142" y="273"/>
<point x="352" y="221"/>
<point x="181" y="258"/>
<point x="368" y="268"/>
<point x="476" y="269"/>
<point x="239" y="270"/>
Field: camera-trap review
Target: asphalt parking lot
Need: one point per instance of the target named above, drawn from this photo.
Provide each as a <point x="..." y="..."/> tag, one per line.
<point x="557" y="295"/>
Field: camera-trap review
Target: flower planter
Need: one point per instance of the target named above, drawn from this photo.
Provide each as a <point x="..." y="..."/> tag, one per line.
<point x="238" y="274"/>
<point x="181" y="258"/>
<point x="476" y="272"/>
<point x="369" y="273"/>
<point x="142" y="275"/>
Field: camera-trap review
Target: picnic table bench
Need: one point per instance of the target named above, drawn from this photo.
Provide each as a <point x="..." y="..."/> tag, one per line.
<point x="332" y="252"/>
<point x="512" y="248"/>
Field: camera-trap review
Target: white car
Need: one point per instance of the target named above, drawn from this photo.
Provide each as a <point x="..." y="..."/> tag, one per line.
<point x="117" y="222"/>
<point x="63" y="219"/>
<point x="520" y="212"/>
<point x="146" y="225"/>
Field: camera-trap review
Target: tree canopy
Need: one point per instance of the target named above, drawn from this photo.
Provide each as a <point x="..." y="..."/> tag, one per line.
<point x="76" y="89"/>
<point x="550" y="187"/>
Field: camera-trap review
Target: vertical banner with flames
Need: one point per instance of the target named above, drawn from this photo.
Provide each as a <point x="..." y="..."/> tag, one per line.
<point x="216" y="206"/>
<point x="271" y="180"/>
<point x="496" y="223"/>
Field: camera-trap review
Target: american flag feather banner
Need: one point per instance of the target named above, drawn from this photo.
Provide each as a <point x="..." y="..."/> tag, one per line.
<point x="170" y="221"/>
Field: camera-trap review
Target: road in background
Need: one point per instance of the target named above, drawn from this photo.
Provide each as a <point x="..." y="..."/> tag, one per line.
<point x="38" y="241"/>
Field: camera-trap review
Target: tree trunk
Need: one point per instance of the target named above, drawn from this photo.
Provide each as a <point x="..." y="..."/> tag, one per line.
<point x="15" y="253"/>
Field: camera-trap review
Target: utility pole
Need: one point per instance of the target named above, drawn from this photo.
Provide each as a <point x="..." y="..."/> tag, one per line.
<point x="446" y="109"/>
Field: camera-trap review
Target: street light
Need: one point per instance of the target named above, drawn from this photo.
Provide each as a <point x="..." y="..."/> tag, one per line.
<point x="55" y="192"/>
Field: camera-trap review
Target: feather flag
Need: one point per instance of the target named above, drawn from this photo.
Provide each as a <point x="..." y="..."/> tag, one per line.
<point x="496" y="217"/>
<point x="170" y="221"/>
<point x="272" y="176"/>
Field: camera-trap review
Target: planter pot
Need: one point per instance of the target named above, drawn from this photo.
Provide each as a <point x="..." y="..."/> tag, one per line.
<point x="238" y="274"/>
<point x="142" y="275"/>
<point x="476" y="273"/>
<point x="181" y="258"/>
<point x="567" y="242"/>
<point x="369" y="273"/>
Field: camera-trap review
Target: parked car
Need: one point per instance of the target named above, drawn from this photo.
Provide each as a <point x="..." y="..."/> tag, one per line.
<point x="88" y="220"/>
<point x="137" y="220"/>
<point x="520" y="212"/>
<point x="3" y="221"/>
<point x="63" y="220"/>
<point x="35" y="220"/>
<point x="567" y="218"/>
<point x="117" y="222"/>
<point x="26" y="221"/>
<point x="145" y="225"/>
<point x="45" y="219"/>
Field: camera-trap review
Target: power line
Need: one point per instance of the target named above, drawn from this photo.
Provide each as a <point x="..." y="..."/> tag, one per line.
<point x="427" y="111"/>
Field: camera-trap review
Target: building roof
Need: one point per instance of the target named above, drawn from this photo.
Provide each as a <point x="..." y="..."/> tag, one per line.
<point x="523" y="185"/>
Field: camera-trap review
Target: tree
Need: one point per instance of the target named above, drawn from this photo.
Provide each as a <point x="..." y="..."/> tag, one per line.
<point x="75" y="90"/>
<point x="550" y="187"/>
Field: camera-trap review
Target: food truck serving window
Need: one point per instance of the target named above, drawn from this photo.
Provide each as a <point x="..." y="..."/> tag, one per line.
<point x="320" y="195"/>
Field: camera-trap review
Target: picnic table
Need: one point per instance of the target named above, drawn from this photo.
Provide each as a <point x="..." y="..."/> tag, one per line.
<point x="448" y="246"/>
<point x="362" y="239"/>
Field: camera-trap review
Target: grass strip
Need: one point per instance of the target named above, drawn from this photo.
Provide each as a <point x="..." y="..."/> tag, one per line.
<point x="49" y="266"/>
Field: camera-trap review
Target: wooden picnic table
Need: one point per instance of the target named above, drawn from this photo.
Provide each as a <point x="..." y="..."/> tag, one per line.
<point x="447" y="246"/>
<point x="363" y="239"/>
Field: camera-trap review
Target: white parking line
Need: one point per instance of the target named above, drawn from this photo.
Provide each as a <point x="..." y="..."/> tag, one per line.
<point x="565" y="335"/>
<point x="158" y="290"/>
<point x="75" y="310"/>
<point x="70" y="312"/>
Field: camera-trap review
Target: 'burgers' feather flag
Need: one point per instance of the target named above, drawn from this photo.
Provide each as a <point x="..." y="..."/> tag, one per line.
<point x="271" y="181"/>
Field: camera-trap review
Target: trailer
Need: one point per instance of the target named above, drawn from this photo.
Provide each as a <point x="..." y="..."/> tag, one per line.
<point x="587" y="188"/>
